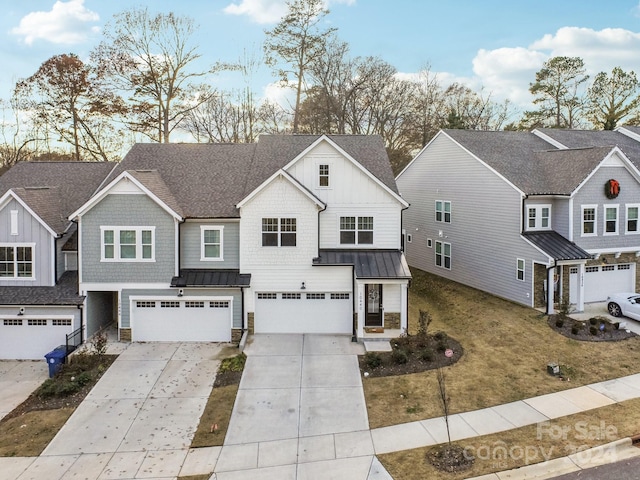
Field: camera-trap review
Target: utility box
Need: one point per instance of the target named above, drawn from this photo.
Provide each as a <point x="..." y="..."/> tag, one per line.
<point x="553" y="369"/>
<point x="55" y="359"/>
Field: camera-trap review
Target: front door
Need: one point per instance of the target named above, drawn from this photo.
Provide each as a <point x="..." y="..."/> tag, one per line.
<point x="373" y="313"/>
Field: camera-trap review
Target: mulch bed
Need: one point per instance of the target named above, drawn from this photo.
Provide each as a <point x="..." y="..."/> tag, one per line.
<point x="95" y="368"/>
<point x="604" y="330"/>
<point x="450" y="458"/>
<point x="422" y="354"/>
<point x="227" y="378"/>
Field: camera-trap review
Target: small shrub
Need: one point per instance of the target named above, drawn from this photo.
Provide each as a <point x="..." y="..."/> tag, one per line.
<point x="593" y="330"/>
<point x="442" y="344"/>
<point x="559" y="322"/>
<point x="440" y="336"/>
<point x="399" y="356"/>
<point x="564" y="307"/>
<point x="83" y="379"/>
<point x="233" y="364"/>
<point x="427" y="355"/>
<point x="423" y="324"/>
<point x="99" y="343"/>
<point x="575" y="330"/>
<point x="593" y="320"/>
<point x="372" y="360"/>
<point x="616" y="325"/>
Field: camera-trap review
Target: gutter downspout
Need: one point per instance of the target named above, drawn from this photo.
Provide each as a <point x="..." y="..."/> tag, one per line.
<point x="546" y="300"/>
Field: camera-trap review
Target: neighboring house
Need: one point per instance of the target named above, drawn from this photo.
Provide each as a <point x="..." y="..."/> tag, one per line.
<point x="200" y="242"/>
<point x="511" y="213"/>
<point x="39" y="300"/>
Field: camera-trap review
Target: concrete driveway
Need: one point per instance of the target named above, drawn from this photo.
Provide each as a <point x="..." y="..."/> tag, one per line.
<point x="18" y="379"/>
<point x="139" y="419"/>
<point x="300" y="412"/>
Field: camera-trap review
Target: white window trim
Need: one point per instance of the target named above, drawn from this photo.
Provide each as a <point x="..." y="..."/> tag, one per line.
<point x="116" y="244"/>
<point x="538" y="209"/>
<point x="357" y="230"/>
<point x="409" y="238"/>
<point x="15" y="262"/>
<point x="595" y="221"/>
<point x="523" y="269"/>
<point x="442" y="244"/>
<point x="14" y="222"/>
<point x="323" y="187"/>
<point x="429" y="243"/>
<point x="626" y="219"/>
<point x="279" y="232"/>
<point x="204" y="228"/>
<point x="615" y="206"/>
<point x="435" y="210"/>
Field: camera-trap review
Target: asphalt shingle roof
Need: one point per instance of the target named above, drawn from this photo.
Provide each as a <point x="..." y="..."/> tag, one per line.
<point x="208" y="180"/>
<point x="537" y="167"/>
<point x="65" y="292"/>
<point x="54" y="190"/>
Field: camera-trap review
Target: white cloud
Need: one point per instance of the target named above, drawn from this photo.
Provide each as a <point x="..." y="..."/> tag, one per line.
<point x="269" y="11"/>
<point x="66" y="23"/>
<point x="507" y="72"/>
<point x="259" y="11"/>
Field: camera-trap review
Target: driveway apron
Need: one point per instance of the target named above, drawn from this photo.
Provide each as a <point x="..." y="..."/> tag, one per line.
<point x="18" y="379"/>
<point x="300" y="401"/>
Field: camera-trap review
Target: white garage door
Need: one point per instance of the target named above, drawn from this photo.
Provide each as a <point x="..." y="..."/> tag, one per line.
<point x="602" y="281"/>
<point x="303" y="313"/>
<point x="31" y="338"/>
<point x="172" y="320"/>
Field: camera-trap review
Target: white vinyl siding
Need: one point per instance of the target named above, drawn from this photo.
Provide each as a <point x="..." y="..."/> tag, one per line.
<point x="356" y="230"/>
<point x="279" y="232"/>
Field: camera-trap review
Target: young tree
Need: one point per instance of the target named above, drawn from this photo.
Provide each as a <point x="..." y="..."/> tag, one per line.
<point x="557" y="92"/>
<point x="612" y="98"/>
<point x="65" y="98"/>
<point x="151" y="58"/>
<point x="297" y="41"/>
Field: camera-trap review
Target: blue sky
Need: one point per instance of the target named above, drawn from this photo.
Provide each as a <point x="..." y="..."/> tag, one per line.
<point x="489" y="44"/>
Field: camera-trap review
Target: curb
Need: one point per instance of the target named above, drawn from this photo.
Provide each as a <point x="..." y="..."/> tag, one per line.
<point x="616" y="451"/>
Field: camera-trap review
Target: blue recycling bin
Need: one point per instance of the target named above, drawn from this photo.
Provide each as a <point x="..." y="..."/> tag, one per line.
<point x="55" y="359"/>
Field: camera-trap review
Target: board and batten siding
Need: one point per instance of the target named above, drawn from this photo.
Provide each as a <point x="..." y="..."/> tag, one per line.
<point x="351" y="192"/>
<point x="121" y="210"/>
<point x="30" y="230"/>
<point x="592" y="193"/>
<point x="125" y="312"/>
<point x="485" y="228"/>
<point x="191" y="244"/>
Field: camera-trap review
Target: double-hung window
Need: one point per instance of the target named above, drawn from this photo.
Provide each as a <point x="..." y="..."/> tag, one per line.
<point x="211" y="242"/>
<point x="610" y="220"/>
<point x="128" y="244"/>
<point x="443" y="211"/>
<point x="356" y="230"/>
<point x="443" y="255"/>
<point x="279" y="232"/>
<point x="589" y="219"/>
<point x="632" y="218"/>
<point x="538" y="217"/>
<point x="16" y="261"/>
<point x="323" y="175"/>
<point x="520" y="269"/>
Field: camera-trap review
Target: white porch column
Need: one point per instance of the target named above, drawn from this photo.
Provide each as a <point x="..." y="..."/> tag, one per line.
<point x="404" y="315"/>
<point x="580" y="303"/>
<point x="550" y="291"/>
<point x="360" y="306"/>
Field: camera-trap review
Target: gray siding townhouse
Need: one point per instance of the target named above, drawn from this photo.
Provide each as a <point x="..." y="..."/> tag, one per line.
<point x="533" y="217"/>
<point x="202" y="242"/>
<point x="39" y="298"/>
